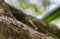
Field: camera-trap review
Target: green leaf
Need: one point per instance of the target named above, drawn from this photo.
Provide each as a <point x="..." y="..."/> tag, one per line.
<point x="52" y="15"/>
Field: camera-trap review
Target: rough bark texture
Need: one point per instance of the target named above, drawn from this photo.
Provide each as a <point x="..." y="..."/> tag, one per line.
<point x="11" y="28"/>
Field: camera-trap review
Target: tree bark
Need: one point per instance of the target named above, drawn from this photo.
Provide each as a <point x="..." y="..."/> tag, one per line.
<point x="12" y="28"/>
